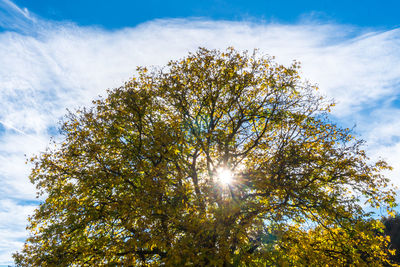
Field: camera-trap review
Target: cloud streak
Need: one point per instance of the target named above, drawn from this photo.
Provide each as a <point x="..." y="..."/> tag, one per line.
<point x="47" y="67"/>
<point x="11" y="16"/>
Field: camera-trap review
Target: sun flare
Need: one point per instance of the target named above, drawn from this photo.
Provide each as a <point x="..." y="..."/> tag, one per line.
<point x="224" y="176"/>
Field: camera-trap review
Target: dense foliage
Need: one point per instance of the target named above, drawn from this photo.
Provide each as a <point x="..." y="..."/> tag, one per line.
<point x="392" y="229"/>
<point x="142" y="177"/>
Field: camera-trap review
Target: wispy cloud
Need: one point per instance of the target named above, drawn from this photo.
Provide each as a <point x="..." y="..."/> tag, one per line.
<point x="13" y="218"/>
<point x="47" y="67"/>
<point x="11" y="16"/>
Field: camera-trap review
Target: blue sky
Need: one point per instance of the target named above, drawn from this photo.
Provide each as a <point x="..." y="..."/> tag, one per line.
<point x="124" y="13"/>
<point x="62" y="54"/>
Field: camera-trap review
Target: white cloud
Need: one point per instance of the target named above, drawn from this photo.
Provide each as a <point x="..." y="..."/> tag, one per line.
<point x="13" y="218"/>
<point x="48" y="67"/>
<point x="13" y="16"/>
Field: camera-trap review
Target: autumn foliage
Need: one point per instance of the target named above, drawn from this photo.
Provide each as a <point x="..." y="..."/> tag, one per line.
<point x="136" y="180"/>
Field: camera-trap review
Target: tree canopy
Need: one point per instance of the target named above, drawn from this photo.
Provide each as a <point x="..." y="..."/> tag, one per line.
<point x="222" y="158"/>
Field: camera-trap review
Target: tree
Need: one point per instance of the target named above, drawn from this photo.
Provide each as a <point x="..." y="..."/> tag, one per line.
<point x="218" y="159"/>
<point x="392" y="229"/>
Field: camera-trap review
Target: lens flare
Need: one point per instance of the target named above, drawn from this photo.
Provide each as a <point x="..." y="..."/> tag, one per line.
<point x="225" y="176"/>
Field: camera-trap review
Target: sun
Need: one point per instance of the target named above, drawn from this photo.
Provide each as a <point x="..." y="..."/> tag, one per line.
<point x="224" y="176"/>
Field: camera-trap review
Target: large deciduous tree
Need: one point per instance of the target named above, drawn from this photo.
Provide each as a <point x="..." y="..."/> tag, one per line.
<point x="218" y="159"/>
